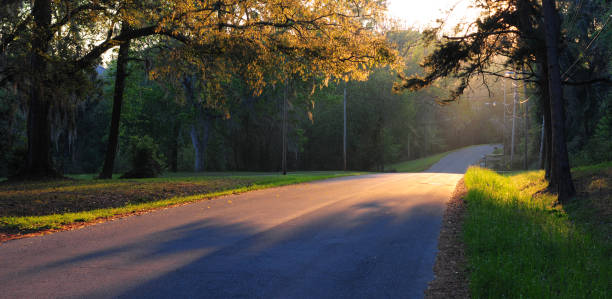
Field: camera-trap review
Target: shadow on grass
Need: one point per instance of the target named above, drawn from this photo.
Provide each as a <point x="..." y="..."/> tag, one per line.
<point x="519" y="247"/>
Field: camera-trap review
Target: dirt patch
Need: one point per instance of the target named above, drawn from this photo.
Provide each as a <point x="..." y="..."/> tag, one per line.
<point x="7" y="235"/>
<point x="593" y="204"/>
<point x="74" y="196"/>
<point x="450" y="269"/>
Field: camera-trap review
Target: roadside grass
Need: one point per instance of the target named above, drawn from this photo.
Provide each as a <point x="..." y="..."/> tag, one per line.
<point x="520" y="244"/>
<point x="417" y="165"/>
<point x="421" y="164"/>
<point x="35" y="206"/>
<point x="594" y="207"/>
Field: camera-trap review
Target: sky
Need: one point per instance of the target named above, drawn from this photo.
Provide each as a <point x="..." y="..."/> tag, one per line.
<point x="421" y="13"/>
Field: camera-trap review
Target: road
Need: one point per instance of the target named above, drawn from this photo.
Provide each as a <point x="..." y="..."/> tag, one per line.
<point x="371" y="236"/>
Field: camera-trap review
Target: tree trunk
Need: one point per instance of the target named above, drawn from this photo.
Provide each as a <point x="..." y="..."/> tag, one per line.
<point x="200" y="128"/>
<point x="113" y="134"/>
<point x="561" y="168"/>
<point x="546" y="114"/>
<point x="284" y="130"/>
<point x="541" y="156"/>
<point x="548" y="138"/>
<point x="526" y="127"/>
<point x="199" y="139"/>
<point x="38" y="161"/>
<point x="173" y="160"/>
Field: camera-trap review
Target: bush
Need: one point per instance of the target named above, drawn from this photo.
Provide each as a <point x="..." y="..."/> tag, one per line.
<point x="15" y="161"/>
<point x="599" y="147"/>
<point x="144" y="159"/>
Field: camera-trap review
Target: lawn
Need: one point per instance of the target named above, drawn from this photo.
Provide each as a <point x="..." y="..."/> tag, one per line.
<point x="520" y="244"/>
<point x="35" y="206"/>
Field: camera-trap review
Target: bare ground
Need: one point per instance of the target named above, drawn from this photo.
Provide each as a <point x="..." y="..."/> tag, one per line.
<point x="450" y="269"/>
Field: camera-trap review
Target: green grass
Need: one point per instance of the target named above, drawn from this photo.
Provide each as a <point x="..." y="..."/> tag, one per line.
<point x="421" y="164"/>
<point x="417" y="165"/>
<point x="587" y="169"/>
<point x="135" y="195"/>
<point x="521" y="245"/>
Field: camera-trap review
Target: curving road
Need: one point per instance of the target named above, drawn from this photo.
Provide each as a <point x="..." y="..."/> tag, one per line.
<point x="371" y="236"/>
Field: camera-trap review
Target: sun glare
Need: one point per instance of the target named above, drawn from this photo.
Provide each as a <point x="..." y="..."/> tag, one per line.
<point x="419" y="14"/>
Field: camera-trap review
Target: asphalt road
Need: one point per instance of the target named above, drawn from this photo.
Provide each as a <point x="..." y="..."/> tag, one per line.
<point x="371" y="236"/>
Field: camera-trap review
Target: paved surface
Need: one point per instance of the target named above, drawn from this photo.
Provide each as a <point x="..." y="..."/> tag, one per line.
<point x="372" y="236"/>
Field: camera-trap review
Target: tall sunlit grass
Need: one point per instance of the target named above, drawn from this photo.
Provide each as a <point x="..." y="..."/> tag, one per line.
<point x="520" y="245"/>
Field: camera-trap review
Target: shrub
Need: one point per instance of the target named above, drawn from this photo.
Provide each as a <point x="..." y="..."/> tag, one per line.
<point x="144" y="158"/>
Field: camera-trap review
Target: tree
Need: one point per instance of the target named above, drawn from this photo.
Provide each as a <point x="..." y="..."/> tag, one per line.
<point x="331" y="38"/>
<point x="511" y="32"/>
<point x="562" y="175"/>
<point x="113" y="134"/>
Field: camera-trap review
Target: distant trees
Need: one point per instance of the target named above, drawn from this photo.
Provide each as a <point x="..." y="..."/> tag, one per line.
<point x="244" y="128"/>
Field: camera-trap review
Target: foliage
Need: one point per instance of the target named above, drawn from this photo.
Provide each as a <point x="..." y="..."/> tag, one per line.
<point x="599" y="146"/>
<point x="383" y="127"/>
<point x="215" y="41"/>
<point x="12" y="143"/>
<point x="144" y="158"/>
<point x="519" y="244"/>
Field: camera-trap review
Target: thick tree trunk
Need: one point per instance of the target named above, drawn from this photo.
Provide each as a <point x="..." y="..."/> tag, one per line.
<point x="38" y="161"/>
<point x="548" y="165"/>
<point x="546" y="114"/>
<point x="113" y="134"/>
<point x="561" y="168"/>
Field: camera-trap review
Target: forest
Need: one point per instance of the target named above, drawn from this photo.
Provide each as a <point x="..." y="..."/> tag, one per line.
<point x="305" y="148"/>
<point x="144" y="87"/>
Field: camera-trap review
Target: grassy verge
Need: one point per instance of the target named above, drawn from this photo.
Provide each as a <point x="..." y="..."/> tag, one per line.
<point x="417" y="165"/>
<point x="421" y="164"/>
<point x="521" y="245"/>
<point x="31" y="207"/>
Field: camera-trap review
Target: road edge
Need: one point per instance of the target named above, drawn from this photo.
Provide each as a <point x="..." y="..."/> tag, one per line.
<point x="450" y="268"/>
<point x="9" y="236"/>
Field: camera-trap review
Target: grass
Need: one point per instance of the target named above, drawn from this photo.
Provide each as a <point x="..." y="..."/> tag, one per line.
<point x="35" y="206"/>
<point x="520" y="244"/>
<point x="421" y="164"/>
<point x="417" y="165"/>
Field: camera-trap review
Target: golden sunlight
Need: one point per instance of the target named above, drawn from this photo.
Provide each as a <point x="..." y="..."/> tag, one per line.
<point x="420" y="14"/>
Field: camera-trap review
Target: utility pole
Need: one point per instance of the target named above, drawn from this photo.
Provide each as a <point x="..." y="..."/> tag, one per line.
<point x="285" y="128"/>
<point x="344" y="135"/>
<point x="504" y="122"/>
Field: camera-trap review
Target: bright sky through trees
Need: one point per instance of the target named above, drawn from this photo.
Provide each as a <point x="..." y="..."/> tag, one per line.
<point x="420" y="14"/>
